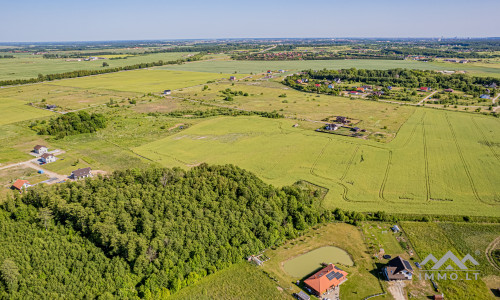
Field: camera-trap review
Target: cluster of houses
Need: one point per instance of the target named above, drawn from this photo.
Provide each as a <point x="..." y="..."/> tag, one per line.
<point x="341" y="121"/>
<point x="460" y="61"/>
<point x="45" y="158"/>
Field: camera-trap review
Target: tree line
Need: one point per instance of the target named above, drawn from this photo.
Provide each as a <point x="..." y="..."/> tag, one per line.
<point x="82" y="73"/>
<point x="221" y="111"/>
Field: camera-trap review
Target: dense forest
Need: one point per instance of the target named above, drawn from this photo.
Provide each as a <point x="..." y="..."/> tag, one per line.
<point x="159" y="229"/>
<point x="397" y="77"/>
<point x="70" y="124"/>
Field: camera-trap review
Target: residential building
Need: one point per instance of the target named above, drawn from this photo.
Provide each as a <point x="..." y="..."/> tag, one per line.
<point x="48" y="158"/>
<point x="398" y="269"/>
<point x="167" y="92"/>
<point x="21" y="184"/>
<point x="326" y="279"/>
<point x="81" y="173"/>
<point x="39" y="149"/>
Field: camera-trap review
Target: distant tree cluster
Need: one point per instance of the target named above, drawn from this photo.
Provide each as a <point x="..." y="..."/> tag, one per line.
<point x="7" y="56"/>
<point x="70" y="124"/>
<point x="171" y="226"/>
<point x="320" y="55"/>
<point x="472" y="85"/>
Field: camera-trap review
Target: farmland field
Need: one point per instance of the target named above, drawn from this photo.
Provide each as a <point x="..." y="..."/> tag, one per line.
<point x="143" y="81"/>
<point x="407" y="175"/>
<point x="461" y="239"/>
<point x="12" y="111"/>
<point x="26" y="66"/>
<point x="231" y="66"/>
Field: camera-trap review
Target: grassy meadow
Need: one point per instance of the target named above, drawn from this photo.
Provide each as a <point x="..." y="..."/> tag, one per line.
<point x="12" y="111"/>
<point x="407" y="175"/>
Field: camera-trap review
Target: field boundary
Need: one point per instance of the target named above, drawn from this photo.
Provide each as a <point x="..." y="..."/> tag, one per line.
<point x="488" y="251"/>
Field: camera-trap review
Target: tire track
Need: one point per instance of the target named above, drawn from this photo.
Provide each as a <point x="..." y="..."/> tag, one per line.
<point x="349" y="163"/>
<point x="492" y="246"/>
<point x="386" y="175"/>
<point x="464" y="163"/>
<point x="485" y="139"/>
<point x="426" y="162"/>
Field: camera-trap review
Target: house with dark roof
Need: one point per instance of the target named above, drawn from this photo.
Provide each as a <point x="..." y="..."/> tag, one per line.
<point x="81" y="173"/>
<point x="167" y="92"/>
<point x="331" y="127"/>
<point x="39" y="149"/>
<point x="232" y="78"/>
<point x="398" y="269"/>
<point x="484" y="96"/>
<point x="48" y="158"/>
<point x="326" y="279"/>
<point x="448" y="90"/>
<point x="341" y="119"/>
<point x="21" y="184"/>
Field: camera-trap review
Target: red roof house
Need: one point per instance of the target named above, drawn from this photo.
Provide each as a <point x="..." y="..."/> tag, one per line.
<point x="424" y="89"/>
<point x="326" y="279"/>
<point x="20" y="184"/>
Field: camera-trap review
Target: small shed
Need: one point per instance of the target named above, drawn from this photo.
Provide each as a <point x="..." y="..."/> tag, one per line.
<point x="232" y="78"/>
<point x="302" y="296"/>
<point x="395" y="228"/>
<point x="167" y="92"/>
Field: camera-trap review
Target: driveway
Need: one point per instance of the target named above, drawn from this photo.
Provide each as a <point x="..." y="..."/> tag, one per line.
<point x="397" y="289"/>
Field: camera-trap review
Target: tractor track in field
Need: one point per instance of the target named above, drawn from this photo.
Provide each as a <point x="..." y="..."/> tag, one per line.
<point x="485" y="139"/>
<point x="349" y="163"/>
<point x="464" y="163"/>
<point x="426" y="164"/>
<point x="412" y="133"/>
<point x="386" y="175"/>
<point x="492" y="246"/>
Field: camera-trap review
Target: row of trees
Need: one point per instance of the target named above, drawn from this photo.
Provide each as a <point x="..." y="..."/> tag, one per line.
<point x="82" y="73"/>
<point x="70" y="124"/>
<point x="222" y="111"/>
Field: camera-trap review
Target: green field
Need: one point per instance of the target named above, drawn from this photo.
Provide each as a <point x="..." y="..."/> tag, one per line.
<point x="240" y="281"/>
<point x="26" y="66"/>
<point x="309" y="262"/>
<point x="295" y="65"/>
<point x="12" y="111"/>
<point x="439" y="162"/>
<point x="143" y="81"/>
<point x="461" y="239"/>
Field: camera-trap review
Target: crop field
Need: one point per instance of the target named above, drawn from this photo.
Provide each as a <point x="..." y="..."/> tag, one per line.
<point x="12" y="111"/>
<point x="362" y="277"/>
<point x="309" y="262"/>
<point x="231" y="66"/>
<point x="461" y="239"/>
<point x="26" y="66"/>
<point x="439" y="163"/>
<point x="142" y="81"/>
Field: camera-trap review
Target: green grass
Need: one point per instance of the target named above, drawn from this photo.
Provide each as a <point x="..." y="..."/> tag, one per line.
<point x="12" y="111"/>
<point x="309" y="262"/>
<point x="262" y="66"/>
<point x="461" y="239"/>
<point x="439" y="163"/>
<point x="26" y="66"/>
<point x="142" y="81"/>
<point x="240" y="281"/>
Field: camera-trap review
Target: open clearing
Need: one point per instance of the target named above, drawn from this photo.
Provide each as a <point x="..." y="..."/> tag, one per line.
<point x="305" y="264"/>
<point x="438" y="163"/>
<point x="12" y="111"/>
<point x="143" y="81"/>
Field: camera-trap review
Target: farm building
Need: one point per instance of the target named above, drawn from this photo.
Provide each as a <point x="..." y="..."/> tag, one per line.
<point x="356" y="129"/>
<point x="51" y="106"/>
<point x="438" y="297"/>
<point x="331" y="86"/>
<point x="232" y="78"/>
<point x="81" y="173"/>
<point x="21" y="184"/>
<point x="39" y="149"/>
<point x="302" y="296"/>
<point x="281" y="71"/>
<point x="389" y="88"/>
<point x="337" y="80"/>
<point x="398" y="269"/>
<point x="484" y="96"/>
<point x="331" y="127"/>
<point x="326" y="279"/>
<point x="48" y="158"/>
<point x="167" y="92"/>
<point x="360" y="89"/>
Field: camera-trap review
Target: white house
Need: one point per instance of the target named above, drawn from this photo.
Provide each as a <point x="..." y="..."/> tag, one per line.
<point x="39" y="149"/>
<point x="48" y="158"/>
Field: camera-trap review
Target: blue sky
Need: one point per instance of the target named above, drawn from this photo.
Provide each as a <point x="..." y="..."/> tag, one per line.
<point x="58" y="20"/>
